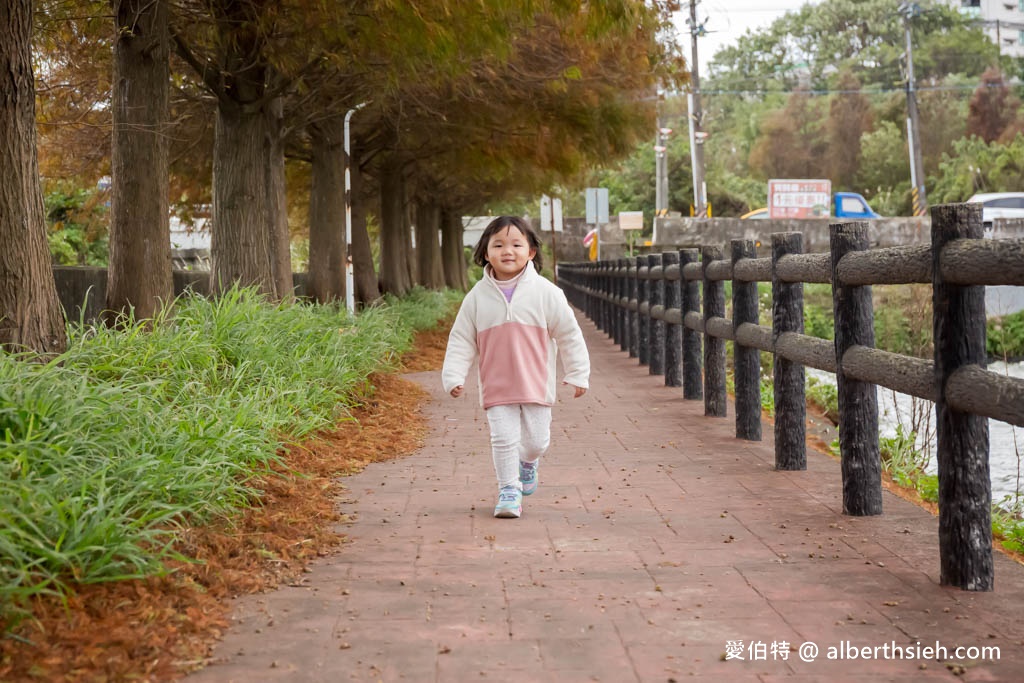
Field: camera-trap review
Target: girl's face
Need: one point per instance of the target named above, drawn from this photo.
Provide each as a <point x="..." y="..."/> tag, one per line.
<point x="508" y="252"/>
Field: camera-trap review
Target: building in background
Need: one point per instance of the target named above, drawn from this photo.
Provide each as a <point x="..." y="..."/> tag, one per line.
<point x="190" y="239"/>
<point x="1002" y="21"/>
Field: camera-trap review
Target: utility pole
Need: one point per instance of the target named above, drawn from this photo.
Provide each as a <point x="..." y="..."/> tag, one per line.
<point x="696" y="134"/>
<point x="659" y="154"/>
<point x="661" y="169"/>
<point x="918" y="194"/>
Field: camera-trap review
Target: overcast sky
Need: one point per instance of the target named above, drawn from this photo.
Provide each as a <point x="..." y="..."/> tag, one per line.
<point x="727" y="20"/>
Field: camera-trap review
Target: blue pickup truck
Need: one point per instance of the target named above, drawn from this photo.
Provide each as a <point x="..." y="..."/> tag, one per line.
<point x="843" y="205"/>
<point x="851" y="205"/>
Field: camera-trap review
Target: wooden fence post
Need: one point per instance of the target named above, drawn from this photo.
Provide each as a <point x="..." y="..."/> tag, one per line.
<point x="714" y="348"/>
<point x="643" y="310"/>
<point x="610" y="305"/>
<point x="965" y="489"/>
<point x="746" y="360"/>
<point x="788" y="377"/>
<point x="602" y="279"/>
<point x="609" y="290"/>
<point x="858" y="401"/>
<point x="656" y="355"/>
<point x="693" y="375"/>
<point x="590" y="281"/>
<point x="622" y="297"/>
<point x="673" y="331"/>
<point x="634" y="316"/>
<point x="593" y="282"/>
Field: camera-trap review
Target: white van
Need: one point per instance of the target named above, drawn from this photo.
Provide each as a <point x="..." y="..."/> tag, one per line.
<point x="1002" y="299"/>
<point x="999" y="205"/>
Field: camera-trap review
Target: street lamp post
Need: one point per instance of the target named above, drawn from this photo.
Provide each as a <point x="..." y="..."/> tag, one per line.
<point x="350" y="297"/>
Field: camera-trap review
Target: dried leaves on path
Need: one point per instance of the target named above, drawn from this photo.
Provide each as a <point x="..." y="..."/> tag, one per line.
<point x="163" y="627"/>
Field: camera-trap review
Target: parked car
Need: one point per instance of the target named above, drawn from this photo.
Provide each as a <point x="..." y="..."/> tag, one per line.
<point x="999" y="205"/>
<point x="756" y="214"/>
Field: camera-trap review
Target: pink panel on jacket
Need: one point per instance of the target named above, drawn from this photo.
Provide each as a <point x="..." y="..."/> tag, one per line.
<point x="514" y="364"/>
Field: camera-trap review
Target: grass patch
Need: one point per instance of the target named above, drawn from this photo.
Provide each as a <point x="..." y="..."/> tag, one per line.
<point x="107" y="451"/>
<point x="1005" y="337"/>
<point x="825" y="396"/>
<point x="1008" y="527"/>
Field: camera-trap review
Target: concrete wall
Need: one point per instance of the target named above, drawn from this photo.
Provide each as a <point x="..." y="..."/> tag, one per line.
<point x="82" y="290"/>
<point x="693" y="232"/>
<point x="677" y="233"/>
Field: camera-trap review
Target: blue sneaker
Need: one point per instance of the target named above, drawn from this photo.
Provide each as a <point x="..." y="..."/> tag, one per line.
<point x="510" y="502"/>
<point x="528" y="476"/>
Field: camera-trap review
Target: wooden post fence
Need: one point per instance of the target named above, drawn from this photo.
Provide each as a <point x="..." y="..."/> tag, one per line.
<point x="664" y="308"/>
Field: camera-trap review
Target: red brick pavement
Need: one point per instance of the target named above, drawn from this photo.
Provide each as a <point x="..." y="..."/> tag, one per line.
<point x="657" y="548"/>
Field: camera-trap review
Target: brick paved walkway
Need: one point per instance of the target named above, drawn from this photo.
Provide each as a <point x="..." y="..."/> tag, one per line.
<point x="656" y="546"/>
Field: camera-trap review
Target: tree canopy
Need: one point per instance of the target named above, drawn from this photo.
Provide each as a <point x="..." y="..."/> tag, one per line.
<point x="821" y="93"/>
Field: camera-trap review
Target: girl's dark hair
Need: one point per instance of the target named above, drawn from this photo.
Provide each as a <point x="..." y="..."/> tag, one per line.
<point x="501" y="223"/>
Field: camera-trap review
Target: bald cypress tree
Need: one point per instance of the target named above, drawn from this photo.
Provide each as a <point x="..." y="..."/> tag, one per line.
<point x="30" y="313"/>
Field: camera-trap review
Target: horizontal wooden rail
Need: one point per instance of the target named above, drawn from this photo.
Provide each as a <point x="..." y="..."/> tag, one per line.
<point x="815" y="353"/>
<point x="973" y="389"/>
<point x="983" y="262"/>
<point x="812" y="268"/>
<point x="911" y="376"/>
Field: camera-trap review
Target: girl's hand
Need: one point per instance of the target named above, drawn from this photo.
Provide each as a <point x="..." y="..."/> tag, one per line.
<point x="457" y="391"/>
<point x="579" y="390"/>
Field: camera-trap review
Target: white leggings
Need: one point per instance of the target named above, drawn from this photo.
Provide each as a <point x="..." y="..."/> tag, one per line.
<point x="519" y="431"/>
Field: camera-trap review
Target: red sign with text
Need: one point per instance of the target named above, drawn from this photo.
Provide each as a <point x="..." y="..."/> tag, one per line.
<point x="799" y="198"/>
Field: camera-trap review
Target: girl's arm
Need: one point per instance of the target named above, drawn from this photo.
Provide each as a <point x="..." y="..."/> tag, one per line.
<point x="566" y="332"/>
<point x="461" y="350"/>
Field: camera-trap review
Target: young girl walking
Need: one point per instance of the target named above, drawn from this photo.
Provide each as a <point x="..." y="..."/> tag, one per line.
<point x="515" y="323"/>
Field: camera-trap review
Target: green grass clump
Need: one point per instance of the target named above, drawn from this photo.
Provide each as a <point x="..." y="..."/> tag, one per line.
<point x="927" y="486"/>
<point x="1008" y="526"/>
<point x="106" y="449"/>
<point x="1005" y="337"/>
<point x="824" y="395"/>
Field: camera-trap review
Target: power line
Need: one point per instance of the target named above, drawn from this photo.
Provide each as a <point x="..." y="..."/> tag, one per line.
<point x="868" y="91"/>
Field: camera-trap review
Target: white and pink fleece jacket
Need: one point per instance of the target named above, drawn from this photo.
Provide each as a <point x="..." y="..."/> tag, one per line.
<point x="516" y="342"/>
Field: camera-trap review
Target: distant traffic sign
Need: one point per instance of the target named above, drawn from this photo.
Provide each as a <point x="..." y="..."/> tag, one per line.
<point x="597" y="205"/>
<point x="631" y="220"/>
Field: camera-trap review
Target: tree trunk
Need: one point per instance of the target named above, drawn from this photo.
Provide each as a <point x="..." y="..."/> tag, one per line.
<point x="365" y="274"/>
<point x="428" y="249"/>
<point x="139" y="273"/>
<point x="326" y="281"/>
<point x="394" y="235"/>
<point x="452" y="255"/>
<point x="241" y="247"/>
<point x="277" y="203"/>
<point x="30" y="313"/>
